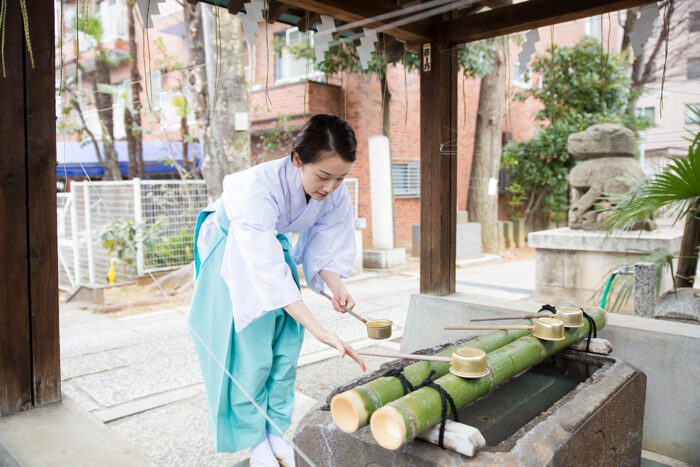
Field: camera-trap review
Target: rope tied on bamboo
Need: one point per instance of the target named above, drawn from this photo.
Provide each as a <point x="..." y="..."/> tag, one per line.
<point x="547" y="307"/>
<point x="445" y="398"/>
<point x="592" y="329"/>
<point x="405" y="383"/>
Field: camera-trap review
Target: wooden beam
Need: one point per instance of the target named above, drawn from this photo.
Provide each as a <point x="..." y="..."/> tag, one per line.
<point x="41" y="208"/>
<point x="529" y="15"/>
<point x="15" y="340"/>
<point x="234" y="6"/>
<point x="438" y="169"/>
<point x="496" y="3"/>
<point x="355" y="10"/>
<point x="277" y="9"/>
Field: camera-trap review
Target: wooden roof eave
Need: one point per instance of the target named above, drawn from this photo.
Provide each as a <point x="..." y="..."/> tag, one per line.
<point x="529" y="15"/>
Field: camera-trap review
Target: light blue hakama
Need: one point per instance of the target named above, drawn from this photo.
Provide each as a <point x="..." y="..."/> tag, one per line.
<point x="262" y="357"/>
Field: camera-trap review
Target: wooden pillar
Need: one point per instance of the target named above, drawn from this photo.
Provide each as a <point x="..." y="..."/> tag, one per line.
<point x="438" y="171"/>
<point x="29" y="342"/>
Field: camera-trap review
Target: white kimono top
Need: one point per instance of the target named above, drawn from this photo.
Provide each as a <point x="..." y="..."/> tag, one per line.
<point x="261" y="202"/>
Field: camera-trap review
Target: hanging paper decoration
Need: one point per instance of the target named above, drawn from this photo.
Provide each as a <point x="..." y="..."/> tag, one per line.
<point x="531" y="38"/>
<point x="323" y="36"/>
<point x="366" y="47"/>
<point x="253" y="15"/>
<point x="643" y="27"/>
<point x="147" y="8"/>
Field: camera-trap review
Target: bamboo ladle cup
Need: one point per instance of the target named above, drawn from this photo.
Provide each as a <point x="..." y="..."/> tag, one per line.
<point x="546" y="329"/>
<point x="376" y="329"/>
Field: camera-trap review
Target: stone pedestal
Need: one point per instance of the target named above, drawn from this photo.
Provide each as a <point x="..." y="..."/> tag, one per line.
<point x="384" y="259"/>
<point x="468" y="240"/>
<point x="573" y="264"/>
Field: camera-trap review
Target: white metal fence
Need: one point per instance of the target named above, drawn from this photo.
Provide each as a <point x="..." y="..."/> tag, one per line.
<point x="166" y="209"/>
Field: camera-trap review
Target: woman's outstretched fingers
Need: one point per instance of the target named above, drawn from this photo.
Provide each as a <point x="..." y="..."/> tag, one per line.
<point x="355" y="356"/>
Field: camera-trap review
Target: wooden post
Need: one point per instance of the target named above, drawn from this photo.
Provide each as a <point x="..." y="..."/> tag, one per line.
<point x="29" y="343"/>
<point x="438" y="170"/>
<point x="41" y="204"/>
<point x="15" y="344"/>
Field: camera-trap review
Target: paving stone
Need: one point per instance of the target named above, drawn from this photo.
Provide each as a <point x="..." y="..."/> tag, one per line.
<point x="160" y="373"/>
<point x="89" y="363"/>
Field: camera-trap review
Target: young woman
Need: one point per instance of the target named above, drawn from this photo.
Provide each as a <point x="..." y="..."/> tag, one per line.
<point x="247" y="313"/>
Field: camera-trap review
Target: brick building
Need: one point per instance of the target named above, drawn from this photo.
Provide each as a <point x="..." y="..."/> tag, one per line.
<point x="296" y="90"/>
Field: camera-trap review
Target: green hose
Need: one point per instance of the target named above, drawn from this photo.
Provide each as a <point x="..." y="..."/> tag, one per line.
<point x="606" y="290"/>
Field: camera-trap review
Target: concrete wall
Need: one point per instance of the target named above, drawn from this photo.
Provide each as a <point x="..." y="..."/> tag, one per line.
<point x="667" y="352"/>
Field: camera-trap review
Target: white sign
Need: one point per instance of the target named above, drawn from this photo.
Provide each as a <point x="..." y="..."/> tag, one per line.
<point x="493" y="186"/>
<point x="241" y="121"/>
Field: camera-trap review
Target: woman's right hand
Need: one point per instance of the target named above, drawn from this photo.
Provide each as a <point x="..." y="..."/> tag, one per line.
<point x="334" y="341"/>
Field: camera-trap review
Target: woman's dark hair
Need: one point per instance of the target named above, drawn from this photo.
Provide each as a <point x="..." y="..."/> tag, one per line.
<point x="323" y="133"/>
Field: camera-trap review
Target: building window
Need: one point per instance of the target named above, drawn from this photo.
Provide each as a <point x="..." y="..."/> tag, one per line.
<point x="694" y="67"/>
<point x="593" y="25"/>
<point x="405" y="177"/>
<point x="692" y="118"/>
<point x="648" y="112"/>
<point x="287" y="66"/>
<point x="694" y="21"/>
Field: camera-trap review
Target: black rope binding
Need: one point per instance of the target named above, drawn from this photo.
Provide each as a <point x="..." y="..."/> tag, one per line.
<point x="592" y="328"/>
<point x="405" y="383"/>
<point x="445" y="398"/>
<point x="547" y="307"/>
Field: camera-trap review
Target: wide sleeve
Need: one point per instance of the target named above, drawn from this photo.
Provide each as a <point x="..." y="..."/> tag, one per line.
<point x="254" y="269"/>
<point x="329" y="244"/>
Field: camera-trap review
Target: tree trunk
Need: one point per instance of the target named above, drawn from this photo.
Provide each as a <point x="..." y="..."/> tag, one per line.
<point x="483" y="193"/>
<point x="132" y="111"/>
<point x="402" y="420"/>
<point x="366" y="399"/>
<point x="225" y="150"/>
<point x="196" y="80"/>
<point x="688" y="256"/>
<point x="104" y="103"/>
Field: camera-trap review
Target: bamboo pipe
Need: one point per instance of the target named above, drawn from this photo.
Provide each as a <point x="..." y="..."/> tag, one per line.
<point x="400" y="421"/>
<point x="499" y="318"/>
<point x="352" y="409"/>
<point x="409" y="356"/>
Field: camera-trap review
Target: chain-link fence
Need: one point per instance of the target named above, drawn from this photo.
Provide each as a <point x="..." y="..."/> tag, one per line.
<point x="148" y="224"/>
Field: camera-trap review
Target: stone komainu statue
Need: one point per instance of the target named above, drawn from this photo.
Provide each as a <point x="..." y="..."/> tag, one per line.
<point x="606" y="152"/>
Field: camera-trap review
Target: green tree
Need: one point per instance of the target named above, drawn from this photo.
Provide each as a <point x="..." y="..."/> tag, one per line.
<point x="581" y="86"/>
<point x="475" y="61"/>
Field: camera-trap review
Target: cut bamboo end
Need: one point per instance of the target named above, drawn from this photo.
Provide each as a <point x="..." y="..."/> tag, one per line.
<point x="388" y="428"/>
<point x="348" y="411"/>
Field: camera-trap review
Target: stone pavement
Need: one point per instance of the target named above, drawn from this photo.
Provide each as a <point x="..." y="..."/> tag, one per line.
<point x="140" y="375"/>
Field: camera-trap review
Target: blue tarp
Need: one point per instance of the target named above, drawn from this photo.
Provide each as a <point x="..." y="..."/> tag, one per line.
<point x="71" y="158"/>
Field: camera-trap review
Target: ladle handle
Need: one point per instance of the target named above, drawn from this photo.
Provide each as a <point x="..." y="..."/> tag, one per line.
<point x="347" y="310"/>
<point x="432" y="358"/>
<point x="508" y="317"/>
<point x="460" y="328"/>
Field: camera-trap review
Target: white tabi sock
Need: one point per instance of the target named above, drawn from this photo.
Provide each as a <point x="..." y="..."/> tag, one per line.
<point x="262" y="456"/>
<point x="282" y="449"/>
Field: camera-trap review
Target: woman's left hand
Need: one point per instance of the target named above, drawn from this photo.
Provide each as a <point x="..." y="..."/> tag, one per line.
<point x="342" y="301"/>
